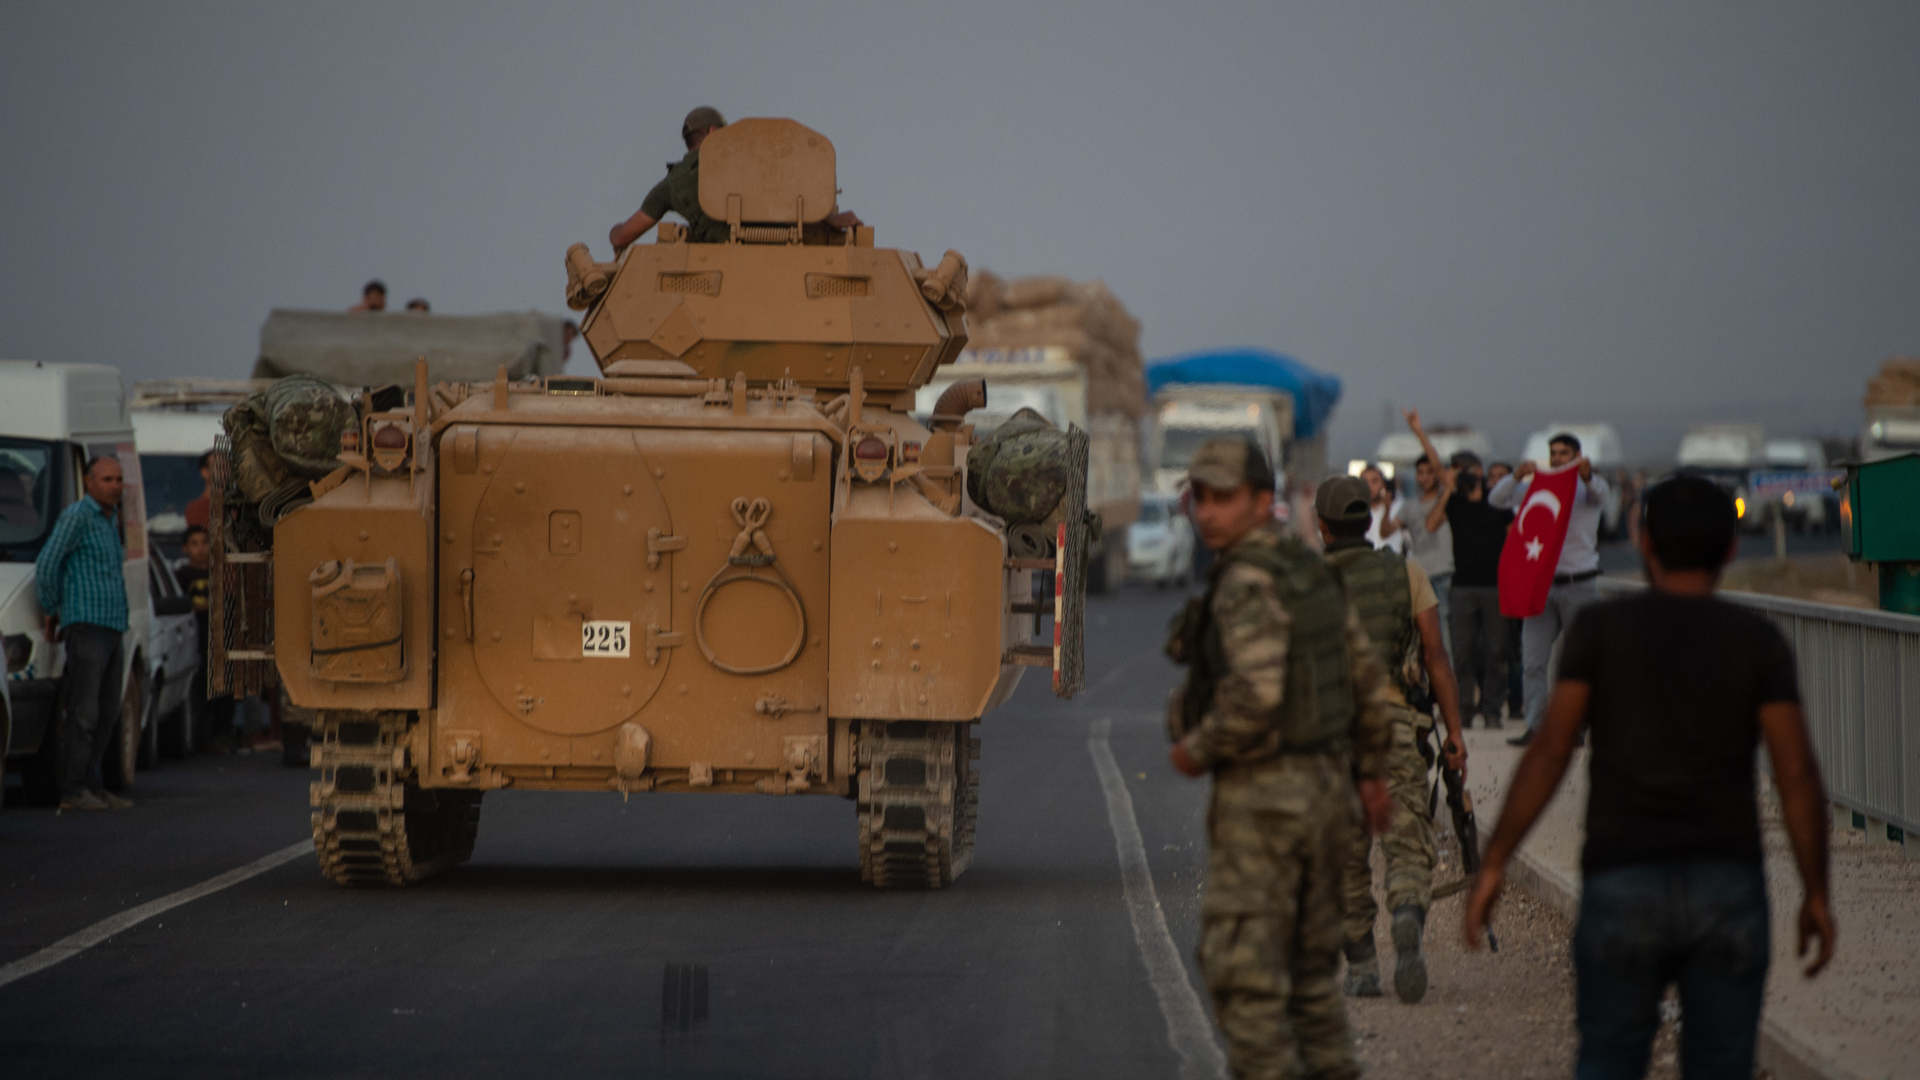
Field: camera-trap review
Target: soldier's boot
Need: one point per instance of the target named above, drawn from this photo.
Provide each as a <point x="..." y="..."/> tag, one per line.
<point x="1409" y="964"/>
<point x="1363" y="968"/>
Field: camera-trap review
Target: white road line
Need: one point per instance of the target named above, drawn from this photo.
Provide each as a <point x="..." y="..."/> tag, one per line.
<point x="1188" y="1028"/>
<point x="74" y="944"/>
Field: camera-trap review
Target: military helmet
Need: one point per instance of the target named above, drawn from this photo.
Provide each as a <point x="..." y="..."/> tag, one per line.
<point x="703" y="117"/>
<point x="1225" y="463"/>
<point x="1343" y="498"/>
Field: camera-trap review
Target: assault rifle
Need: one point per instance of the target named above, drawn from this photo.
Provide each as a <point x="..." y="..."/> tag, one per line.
<point x="1460" y="803"/>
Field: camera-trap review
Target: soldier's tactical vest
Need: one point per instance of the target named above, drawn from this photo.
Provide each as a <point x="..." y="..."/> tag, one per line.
<point x="683" y="193"/>
<point x="1316" y="706"/>
<point x="1376" y="585"/>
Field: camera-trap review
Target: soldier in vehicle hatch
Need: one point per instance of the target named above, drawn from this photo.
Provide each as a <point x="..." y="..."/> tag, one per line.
<point x="1397" y="605"/>
<point x="679" y="192"/>
<point x="1286" y="704"/>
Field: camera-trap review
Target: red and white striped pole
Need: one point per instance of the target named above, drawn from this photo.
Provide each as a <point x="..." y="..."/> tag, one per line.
<point x="1059" y="596"/>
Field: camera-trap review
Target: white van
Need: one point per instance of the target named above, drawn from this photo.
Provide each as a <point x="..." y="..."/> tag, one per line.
<point x="175" y="422"/>
<point x="53" y="417"/>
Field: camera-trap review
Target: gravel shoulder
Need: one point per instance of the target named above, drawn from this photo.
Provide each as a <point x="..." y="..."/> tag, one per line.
<point x="1507" y="1014"/>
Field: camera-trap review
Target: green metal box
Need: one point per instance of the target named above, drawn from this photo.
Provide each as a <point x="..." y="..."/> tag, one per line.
<point x="1880" y="513"/>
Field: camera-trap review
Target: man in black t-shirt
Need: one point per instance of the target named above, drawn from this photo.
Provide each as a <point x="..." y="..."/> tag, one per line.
<point x="1480" y="633"/>
<point x="1679" y="688"/>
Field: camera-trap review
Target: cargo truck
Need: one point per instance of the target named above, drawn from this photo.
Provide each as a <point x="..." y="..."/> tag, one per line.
<point x="1186" y="416"/>
<point x="1280" y="403"/>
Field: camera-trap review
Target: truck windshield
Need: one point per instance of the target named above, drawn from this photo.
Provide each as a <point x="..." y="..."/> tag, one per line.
<point x="170" y="482"/>
<point x="1178" y="445"/>
<point x="32" y="494"/>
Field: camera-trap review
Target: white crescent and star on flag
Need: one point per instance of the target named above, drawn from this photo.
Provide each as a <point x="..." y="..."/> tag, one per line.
<point x="1538" y="498"/>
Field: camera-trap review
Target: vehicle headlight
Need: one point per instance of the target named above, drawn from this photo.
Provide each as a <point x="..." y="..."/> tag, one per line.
<point x="19" y="652"/>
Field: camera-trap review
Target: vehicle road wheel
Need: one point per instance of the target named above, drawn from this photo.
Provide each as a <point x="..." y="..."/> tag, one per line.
<point x="150" y="731"/>
<point x="373" y="826"/>
<point x="918" y="797"/>
<point x="123" y="754"/>
<point x="177" y="735"/>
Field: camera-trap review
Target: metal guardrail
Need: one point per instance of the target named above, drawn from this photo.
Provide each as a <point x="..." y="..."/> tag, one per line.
<point x="1860" y="687"/>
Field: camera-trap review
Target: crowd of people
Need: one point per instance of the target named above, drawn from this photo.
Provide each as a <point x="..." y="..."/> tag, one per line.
<point x="1313" y="683"/>
<point x="1454" y="525"/>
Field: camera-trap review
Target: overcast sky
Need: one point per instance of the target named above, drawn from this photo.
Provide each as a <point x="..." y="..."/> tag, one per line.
<point x="1649" y="214"/>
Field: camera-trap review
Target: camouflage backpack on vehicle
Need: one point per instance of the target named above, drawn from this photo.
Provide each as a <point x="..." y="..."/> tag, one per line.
<point x="288" y="432"/>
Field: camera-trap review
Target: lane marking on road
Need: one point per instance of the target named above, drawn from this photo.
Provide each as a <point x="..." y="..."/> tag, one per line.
<point x="1188" y="1028"/>
<point x="74" y="944"/>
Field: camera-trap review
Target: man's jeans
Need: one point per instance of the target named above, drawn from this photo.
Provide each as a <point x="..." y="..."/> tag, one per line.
<point x="92" y="689"/>
<point x="1480" y="635"/>
<point x="1701" y="923"/>
<point x="1443" y="589"/>
<point x="1540" y="633"/>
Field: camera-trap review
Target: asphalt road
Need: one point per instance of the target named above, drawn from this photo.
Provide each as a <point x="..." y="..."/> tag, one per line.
<point x="553" y="950"/>
<point x="679" y="935"/>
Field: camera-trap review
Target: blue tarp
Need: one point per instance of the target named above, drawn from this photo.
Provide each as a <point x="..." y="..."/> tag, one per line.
<point x="1314" y="392"/>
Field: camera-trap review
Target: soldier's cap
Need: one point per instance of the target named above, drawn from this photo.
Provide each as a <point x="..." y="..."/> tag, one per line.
<point x="1343" y="498"/>
<point x="702" y="117"/>
<point x="1224" y="464"/>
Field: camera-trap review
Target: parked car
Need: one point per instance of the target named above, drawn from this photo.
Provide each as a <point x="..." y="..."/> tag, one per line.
<point x="174" y="638"/>
<point x="1160" y="543"/>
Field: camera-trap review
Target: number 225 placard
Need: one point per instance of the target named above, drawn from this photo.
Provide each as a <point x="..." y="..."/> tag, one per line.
<point x="605" y="638"/>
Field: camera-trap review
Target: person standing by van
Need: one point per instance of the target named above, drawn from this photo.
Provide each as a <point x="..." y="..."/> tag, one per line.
<point x="83" y="591"/>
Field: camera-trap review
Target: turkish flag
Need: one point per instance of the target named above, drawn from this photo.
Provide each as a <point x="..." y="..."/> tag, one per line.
<point x="1532" y="551"/>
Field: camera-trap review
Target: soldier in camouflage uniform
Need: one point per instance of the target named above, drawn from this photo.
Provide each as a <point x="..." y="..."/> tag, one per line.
<point x="1397" y="605"/>
<point x="680" y="191"/>
<point x="1284" y="703"/>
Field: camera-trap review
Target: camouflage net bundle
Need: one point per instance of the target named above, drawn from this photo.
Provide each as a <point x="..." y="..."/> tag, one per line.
<point x="1083" y="317"/>
<point x="283" y="437"/>
<point x="1019" y="470"/>
<point x="1033" y="476"/>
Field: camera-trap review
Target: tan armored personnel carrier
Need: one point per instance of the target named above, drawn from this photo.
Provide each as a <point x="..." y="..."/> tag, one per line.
<point x="733" y="562"/>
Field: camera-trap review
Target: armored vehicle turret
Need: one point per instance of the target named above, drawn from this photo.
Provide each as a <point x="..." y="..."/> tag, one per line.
<point x="731" y="562"/>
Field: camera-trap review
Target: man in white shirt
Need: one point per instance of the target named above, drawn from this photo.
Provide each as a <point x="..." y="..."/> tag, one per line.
<point x="1386" y="505"/>
<point x="1574" y="586"/>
